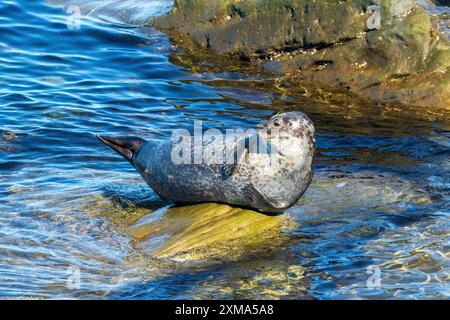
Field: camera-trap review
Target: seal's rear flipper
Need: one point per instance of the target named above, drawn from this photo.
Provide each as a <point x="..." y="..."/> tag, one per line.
<point x="125" y="146"/>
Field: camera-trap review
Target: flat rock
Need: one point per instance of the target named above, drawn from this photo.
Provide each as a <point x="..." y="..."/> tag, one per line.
<point x="204" y="231"/>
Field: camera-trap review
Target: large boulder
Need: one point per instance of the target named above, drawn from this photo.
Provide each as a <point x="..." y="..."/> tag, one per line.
<point x="384" y="50"/>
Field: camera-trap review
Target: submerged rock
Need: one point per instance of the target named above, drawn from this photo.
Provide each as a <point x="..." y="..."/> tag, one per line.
<point x="383" y="50"/>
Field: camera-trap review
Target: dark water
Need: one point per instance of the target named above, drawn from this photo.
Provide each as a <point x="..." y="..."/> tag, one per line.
<point x="379" y="201"/>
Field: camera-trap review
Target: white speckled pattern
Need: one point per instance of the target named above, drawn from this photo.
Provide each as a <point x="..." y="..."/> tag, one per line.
<point x="281" y="177"/>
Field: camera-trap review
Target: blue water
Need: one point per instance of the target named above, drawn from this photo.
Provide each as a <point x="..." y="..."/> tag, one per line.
<point x="380" y="198"/>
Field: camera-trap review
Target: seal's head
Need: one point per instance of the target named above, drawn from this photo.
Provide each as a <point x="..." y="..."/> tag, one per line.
<point x="289" y="131"/>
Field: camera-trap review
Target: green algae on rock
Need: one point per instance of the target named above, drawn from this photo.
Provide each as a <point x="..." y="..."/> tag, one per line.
<point x="258" y="28"/>
<point x="401" y="61"/>
<point x="206" y="230"/>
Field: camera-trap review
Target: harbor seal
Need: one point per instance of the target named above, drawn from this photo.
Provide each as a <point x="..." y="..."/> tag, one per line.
<point x="267" y="169"/>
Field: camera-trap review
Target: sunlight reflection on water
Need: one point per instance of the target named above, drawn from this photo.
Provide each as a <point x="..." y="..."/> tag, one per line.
<point x="380" y="196"/>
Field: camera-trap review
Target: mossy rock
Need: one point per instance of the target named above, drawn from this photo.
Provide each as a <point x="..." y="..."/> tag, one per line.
<point x="405" y="61"/>
<point x="206" y="230"/>
<point x="259" y="27"/>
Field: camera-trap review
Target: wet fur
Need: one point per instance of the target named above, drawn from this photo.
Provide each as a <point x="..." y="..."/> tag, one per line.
<point x="252" y="182"/>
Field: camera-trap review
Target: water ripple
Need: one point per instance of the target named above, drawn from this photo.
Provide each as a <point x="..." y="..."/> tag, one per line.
<point x="380" y="196"/>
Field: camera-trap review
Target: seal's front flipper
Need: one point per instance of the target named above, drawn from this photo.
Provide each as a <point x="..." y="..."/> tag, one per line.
<point x="261" y="202"/>
<point x="227" y="170"/>
<point x="253" y="144"/>
<point x="125" y="146"/>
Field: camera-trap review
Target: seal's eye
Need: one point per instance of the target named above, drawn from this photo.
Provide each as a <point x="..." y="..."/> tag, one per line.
<point x="276" y="124"/>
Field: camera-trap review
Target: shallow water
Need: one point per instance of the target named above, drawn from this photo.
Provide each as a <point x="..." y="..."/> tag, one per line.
<point x="379" y="203"/>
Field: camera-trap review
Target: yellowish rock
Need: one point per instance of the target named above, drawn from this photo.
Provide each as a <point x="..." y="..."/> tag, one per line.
<point x="205" y="230"/>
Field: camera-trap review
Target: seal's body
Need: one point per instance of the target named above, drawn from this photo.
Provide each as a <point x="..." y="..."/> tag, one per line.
<point x="268" y="170"/>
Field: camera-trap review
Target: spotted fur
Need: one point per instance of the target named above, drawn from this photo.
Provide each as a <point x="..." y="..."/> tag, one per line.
<point x="268" y="183"/>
